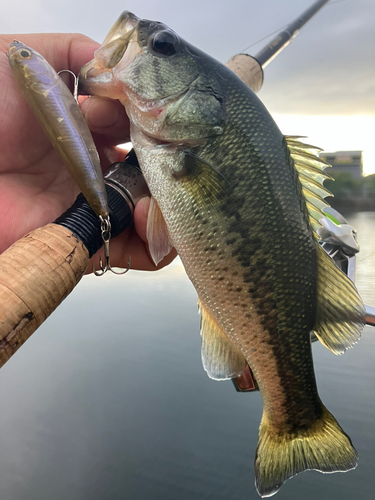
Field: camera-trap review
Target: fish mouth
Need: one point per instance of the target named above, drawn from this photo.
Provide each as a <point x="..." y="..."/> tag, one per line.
<point x="117" y="41"/>
<point x="115" y="73"/>
<point x="121" y="41"/>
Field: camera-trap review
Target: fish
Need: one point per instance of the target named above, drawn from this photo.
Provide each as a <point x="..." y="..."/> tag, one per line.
<point x="62" y="121"/>
<point x="241" y="203"/>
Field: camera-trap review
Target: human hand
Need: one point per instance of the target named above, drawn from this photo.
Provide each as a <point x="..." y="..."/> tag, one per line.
<point x="35" y="186"/>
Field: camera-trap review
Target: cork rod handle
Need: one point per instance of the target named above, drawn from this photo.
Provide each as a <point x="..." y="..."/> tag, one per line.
<point x="36" y="274"/>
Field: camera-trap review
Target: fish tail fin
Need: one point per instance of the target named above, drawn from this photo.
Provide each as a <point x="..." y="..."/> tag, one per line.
<point x="323" y="447"/>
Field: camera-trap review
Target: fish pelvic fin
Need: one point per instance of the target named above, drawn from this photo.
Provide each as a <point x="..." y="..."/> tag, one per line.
<point x="310" y="169"/>
<point x="323" y="447"/>
<point x="341" y="314"/>
<point x="157" y="233"/>
<point x="220" y="359"/>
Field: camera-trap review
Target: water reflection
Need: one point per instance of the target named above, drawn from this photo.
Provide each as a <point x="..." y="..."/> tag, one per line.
<point x="364" y="223"/>
<point x="112" y="402"/>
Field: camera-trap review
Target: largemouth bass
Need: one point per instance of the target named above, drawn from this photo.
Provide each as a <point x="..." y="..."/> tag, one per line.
<point x="241" y="203"/>
<point x="62" y="121"/>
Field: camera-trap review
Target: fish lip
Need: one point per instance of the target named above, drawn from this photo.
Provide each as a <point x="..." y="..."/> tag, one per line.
<point x="124" y="23"/>
<point x="112" y="51"/>
<point x="89" y="70"/>
<point x="81" y="89"/>
<point x="100" y="69"/>
<point x="89" y="76"/>
<point x="117" y="41"/>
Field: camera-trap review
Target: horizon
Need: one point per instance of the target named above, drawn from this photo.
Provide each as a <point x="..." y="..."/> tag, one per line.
<point x="321" y="86"/>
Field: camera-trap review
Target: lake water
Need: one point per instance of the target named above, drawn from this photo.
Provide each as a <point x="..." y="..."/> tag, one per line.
<point x="108" y="400"/>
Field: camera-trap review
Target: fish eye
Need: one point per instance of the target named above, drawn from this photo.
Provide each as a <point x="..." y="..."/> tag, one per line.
<point x="164" y="43"/>
<point x="25" y="54"/>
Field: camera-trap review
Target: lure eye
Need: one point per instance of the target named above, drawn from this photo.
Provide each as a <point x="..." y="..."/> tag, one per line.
<point x="164" y="43"/>
<point x="25" y="54"/>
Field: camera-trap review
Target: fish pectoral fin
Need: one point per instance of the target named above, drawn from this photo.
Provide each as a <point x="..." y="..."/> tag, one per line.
<point x="157" y="233"/>
<point x="202" y="181"/>
<point x="221" y="360"/>
<point x="323" y="447"/>
<point x="340" y="311"/>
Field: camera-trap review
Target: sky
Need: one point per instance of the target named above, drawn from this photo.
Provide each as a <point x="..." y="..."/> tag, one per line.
<point x="321" y="86"/>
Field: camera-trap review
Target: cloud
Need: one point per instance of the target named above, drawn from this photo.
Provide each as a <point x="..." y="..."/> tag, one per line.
<point x="26" y="17"/>
<point x="328" y="68"/>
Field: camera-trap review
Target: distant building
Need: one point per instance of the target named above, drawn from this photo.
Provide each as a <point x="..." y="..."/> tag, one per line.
<point x="349" y="162"/>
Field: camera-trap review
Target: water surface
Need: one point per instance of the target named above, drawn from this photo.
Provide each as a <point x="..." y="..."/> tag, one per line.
<point x="108" y="400"/>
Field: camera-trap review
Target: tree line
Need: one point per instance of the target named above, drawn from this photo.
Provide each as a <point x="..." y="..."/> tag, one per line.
<point x="345" y="186"/>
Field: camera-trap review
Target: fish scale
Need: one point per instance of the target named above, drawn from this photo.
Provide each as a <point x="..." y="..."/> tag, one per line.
<point x="246" y="256"/>
<point x="241" y="203"/>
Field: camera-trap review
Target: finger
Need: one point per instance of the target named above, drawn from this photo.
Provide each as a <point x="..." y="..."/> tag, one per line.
<point x="133" y="243"/>
<point x="140" y="217"/>
<point x="108" y="118"/>
<point x="130" y="245"/>
<point x="62" y="50"/>
<point x="140" y="224"/>
<point x="67" y="51"/>
<point x="108" y="154"/>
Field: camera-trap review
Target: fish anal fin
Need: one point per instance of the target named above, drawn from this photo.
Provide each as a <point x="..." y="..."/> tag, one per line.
<point x="323" y="447"/>
<point x="220" y="358"/>
<point x="341" y="314"/>
<point x="157" y="233"/>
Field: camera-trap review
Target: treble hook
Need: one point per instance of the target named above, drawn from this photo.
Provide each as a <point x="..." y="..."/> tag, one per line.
<point x="75" y="87"/>
<point x="105" y="226"/>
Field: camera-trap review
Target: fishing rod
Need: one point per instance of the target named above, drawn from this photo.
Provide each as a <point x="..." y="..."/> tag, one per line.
<point x="250" y="68"/>
<point x="284" y="38"/>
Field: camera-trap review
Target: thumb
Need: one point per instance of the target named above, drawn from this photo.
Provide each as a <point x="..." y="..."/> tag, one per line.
<point x="140" y="217"/>
<point x="106" y="117"/>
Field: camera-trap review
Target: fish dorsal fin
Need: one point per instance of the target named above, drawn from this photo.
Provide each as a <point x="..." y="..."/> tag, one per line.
<point x="157" y="233"/>
<point x="340" y="312"/>
<point x="204" y="183"/>
<point x="220" y="359"/>
<point x="311" y="174"/>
